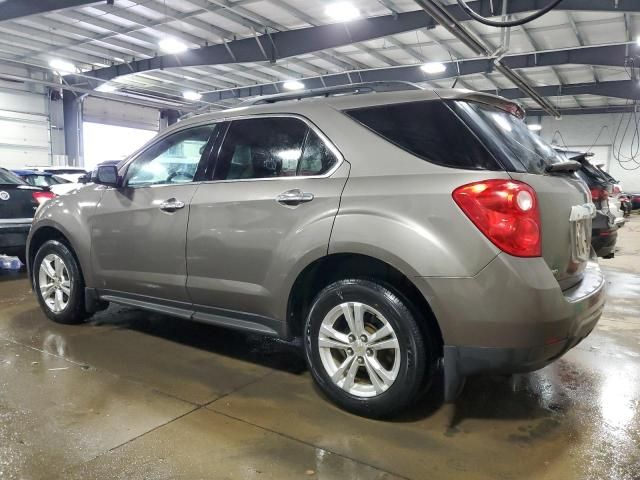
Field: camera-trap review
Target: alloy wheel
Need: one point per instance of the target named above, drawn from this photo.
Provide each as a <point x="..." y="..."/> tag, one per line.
<point x="359" y="349"/>
<point x="54" y="282"/>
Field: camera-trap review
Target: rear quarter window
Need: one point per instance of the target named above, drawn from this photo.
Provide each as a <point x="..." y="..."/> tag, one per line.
<point x="429" y="130"/>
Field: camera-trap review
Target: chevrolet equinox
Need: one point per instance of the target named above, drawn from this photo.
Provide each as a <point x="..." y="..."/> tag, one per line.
<point x="392" y="232"/>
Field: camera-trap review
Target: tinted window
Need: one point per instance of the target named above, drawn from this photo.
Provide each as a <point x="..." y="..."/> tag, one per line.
<point x="509" y="138"/>
<point x="261" y="148"/>
<point x="8" y="178"/>
<point x="429" y="130"/>
<point x="172" y="160"/>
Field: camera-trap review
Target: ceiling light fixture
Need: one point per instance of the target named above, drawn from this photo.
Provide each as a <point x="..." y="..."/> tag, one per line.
<point x="342" y="11"/>
<point x="433" y="68"/>
<point x="172" y="46"/>
<point x="62" y="66"/>
<point x="191" y="95"/>
<point x="293" y="85"/>
<point x="106" y="88"/>
<point x="534" y="127"/>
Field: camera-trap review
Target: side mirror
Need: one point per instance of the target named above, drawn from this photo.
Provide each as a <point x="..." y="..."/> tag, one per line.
<point x="106" y="175"/>
<point x="86" y="178"/>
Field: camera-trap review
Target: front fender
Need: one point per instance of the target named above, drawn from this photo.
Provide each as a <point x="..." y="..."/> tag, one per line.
<point x="70" y="215"/>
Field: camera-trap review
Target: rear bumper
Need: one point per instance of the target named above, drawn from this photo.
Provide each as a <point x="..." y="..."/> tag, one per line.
<point x="512" y="317"/>
<point x="13" y="238"/>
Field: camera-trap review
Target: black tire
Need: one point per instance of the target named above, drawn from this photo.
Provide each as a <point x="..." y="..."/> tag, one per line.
<point x="74" y="312"/>
<point x="417" y="352"/>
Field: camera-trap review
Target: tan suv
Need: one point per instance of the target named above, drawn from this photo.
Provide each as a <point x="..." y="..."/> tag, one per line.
<point x="387" y="230"/>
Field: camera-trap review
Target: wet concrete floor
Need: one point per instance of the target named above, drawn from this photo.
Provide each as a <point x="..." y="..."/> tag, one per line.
<point x="137" y="395"/>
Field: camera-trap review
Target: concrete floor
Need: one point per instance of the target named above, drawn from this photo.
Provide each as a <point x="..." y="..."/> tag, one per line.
<point x="138" y="395"/>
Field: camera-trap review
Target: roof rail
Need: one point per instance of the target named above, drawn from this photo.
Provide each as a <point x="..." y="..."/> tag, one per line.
<point x="353" y="89"/>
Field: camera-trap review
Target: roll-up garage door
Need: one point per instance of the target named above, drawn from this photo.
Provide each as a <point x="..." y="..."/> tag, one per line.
<point x="24" y="130"/>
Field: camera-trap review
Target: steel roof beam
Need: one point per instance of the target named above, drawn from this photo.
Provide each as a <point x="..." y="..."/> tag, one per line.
<point x="586" y="110"/>
<point x="612" y="55"/>
<point x="626" y="89"/>
<point x="323" y="37"/>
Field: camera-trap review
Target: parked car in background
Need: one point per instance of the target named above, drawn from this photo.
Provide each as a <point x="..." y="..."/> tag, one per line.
<point x="55" y="183"/>
<point x="386" y="231"/>
<point x="615" y="201"/>
<point x="71" y="174"/>
<point x="635" y="200"/>
<point x="604" y="234"/>
<point x="18" y="203"/>
<point x="39" y="179"/>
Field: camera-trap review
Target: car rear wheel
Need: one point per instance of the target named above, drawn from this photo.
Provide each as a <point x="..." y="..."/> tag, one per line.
<point x="365" y="349"/>
<point x="58" y="283"/>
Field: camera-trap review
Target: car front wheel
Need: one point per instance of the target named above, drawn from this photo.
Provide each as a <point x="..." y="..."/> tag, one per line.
<point x="58" y="283"/>
<point x="365" y="349"/>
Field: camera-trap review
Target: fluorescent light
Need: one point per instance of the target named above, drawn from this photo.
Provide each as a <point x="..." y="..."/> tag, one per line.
<point x="638" y="40"/>
<point x="62" y="66"/>
<point x="433" y="68"/>
<point x="342" y="11"/>
<point x="534" y="127"/>
<point x="293" y="85"/>
<point x="191" y="95"/>
<point x="106" y="87"/>
<point x="171" y="45"/>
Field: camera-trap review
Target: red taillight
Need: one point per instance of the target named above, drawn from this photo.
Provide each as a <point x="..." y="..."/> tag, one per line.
<point x="598" y="194"/>
<point x="42" y="197"/>
<point x="506" y="211"/>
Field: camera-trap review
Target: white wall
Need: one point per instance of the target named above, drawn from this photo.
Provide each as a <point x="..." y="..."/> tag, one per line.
<point x="583" y="130"/>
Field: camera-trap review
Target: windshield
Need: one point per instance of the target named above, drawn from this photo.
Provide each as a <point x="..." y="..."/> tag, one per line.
<point x="8" y="178"/>
<point x="508" y="137"/>
<point x="41" y="180"/>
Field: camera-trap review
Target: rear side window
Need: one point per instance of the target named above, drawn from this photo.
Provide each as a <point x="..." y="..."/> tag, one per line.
<point x="430" y="130"/>
<point x="508" y="138"/>
<point x="272" y="147"/>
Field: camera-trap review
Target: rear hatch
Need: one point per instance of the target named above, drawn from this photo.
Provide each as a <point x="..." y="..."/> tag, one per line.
<point x="564" y="200"/>
<point x="16" y="198"/>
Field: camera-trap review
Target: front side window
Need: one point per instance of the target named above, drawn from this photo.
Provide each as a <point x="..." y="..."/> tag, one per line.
<point x="172" y="160"/>
<point x="271" y="147"/>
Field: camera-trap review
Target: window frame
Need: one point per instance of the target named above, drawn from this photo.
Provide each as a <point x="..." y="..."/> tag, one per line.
<point x="202" y="163"/>
<point x="215" y="156"/>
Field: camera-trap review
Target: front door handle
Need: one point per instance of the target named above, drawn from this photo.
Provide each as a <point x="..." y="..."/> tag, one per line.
<point x="294" y="197"/>
<point x="171" y="205"/>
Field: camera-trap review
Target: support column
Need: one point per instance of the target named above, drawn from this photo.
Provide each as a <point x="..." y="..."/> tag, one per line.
<point x="74" y="147"/>
<point x="168" y="117"/>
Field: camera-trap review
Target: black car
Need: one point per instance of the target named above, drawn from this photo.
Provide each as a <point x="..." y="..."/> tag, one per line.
<point x="18" y="203"/>
<point x="604" y="234"/>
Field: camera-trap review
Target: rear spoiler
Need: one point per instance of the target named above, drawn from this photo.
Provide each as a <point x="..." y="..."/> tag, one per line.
<point x="509" y="106"/>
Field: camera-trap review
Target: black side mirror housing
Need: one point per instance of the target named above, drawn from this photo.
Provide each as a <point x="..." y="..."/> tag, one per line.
<point x="106" y="175"/>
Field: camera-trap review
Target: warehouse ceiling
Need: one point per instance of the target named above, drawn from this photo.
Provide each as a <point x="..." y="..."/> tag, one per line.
<point x="580" y="56"/>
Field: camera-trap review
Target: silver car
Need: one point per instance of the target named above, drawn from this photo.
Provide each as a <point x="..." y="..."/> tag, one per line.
<point x="386" y="230"/>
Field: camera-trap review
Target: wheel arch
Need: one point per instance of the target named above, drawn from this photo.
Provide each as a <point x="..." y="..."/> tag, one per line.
<point x="44" y="233"/>
<point x="330" y="268"/>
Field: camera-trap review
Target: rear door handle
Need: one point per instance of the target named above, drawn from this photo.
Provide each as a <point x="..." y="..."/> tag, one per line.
<point x="294" y="197"/>
<point x="171" y="205"/>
